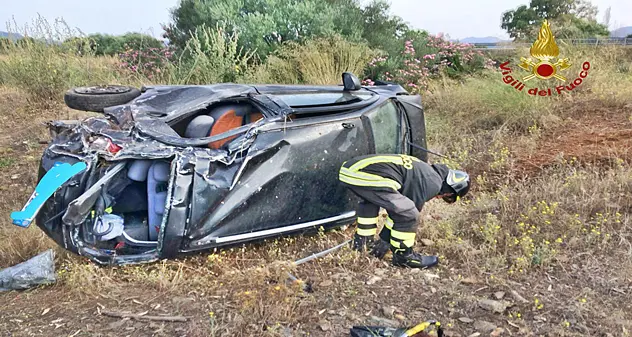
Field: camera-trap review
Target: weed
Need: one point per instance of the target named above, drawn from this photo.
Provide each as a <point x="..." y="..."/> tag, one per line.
<point x="47" y="64"/>
<point x="6" y="162"/>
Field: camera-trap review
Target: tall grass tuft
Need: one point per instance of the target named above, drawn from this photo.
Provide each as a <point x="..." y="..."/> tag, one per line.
<point x="319" y="62"/>
<point x="211" y="56"/>
<point x="49" y="60"/>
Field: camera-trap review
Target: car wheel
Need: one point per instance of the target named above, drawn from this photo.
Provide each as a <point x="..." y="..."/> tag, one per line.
<point x="96" y="98"/>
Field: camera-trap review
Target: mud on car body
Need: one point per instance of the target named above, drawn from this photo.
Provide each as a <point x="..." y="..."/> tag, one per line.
<point x="179" y="169"/>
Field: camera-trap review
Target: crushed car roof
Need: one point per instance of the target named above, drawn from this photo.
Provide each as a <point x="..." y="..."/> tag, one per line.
<point x="167" y="102"/>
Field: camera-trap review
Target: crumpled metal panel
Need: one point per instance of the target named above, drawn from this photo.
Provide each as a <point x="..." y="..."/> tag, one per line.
<point x="169" y="102"/>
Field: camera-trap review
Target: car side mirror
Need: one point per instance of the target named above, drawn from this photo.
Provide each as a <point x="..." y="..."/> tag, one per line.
<point x="350" y="82"/>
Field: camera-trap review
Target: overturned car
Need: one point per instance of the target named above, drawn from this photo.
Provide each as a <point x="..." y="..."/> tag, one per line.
<point x="168" y="170"/>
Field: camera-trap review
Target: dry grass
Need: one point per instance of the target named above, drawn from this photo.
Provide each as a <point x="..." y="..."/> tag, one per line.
<point x="318" y="62"/>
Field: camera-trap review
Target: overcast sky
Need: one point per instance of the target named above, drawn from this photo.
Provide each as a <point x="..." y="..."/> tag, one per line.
<point x="457" y="18"/>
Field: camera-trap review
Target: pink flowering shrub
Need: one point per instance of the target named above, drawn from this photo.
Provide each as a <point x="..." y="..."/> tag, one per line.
<point x="414" y="67"/>
<point x="148" y="63"/>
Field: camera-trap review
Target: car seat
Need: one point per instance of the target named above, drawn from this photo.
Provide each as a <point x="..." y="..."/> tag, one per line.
<point x="199" y="127"/>
<point x="157" y="185"/>
<point x="222" y="119"/>
<point x="227" y="118"/>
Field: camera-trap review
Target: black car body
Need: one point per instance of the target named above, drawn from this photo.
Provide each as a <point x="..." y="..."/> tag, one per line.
<point x="275" y="176"/>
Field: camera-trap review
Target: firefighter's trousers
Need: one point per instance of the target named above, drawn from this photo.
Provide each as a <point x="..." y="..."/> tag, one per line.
<point x="401" y="224"/>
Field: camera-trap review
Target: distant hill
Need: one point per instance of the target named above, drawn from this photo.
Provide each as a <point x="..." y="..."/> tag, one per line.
<point x="12" y="36"/>
<point x="487" y="39"/>
<point x="622" y="32"/>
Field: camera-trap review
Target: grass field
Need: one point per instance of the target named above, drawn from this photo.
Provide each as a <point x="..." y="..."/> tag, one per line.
<point x="545" y="233"/>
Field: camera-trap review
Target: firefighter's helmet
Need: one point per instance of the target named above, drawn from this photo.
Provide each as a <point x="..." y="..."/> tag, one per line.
<point x="459" y="181"/>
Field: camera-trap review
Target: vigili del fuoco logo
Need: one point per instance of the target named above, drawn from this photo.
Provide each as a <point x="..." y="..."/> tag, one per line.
<point x="547" y="65"/>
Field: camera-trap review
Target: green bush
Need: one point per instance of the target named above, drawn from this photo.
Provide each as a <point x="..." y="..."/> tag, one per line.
<point x="424" y="59"/>
<point x="103" y="44"/>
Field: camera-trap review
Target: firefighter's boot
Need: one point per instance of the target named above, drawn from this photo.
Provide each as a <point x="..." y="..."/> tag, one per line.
<point x="362" y="243"/>
<point x="379" y="248"/>
<point x="408" y="258"/>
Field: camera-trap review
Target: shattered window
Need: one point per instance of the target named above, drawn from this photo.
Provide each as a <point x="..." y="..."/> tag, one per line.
<point x="320" y="99"/>
<point x="385" y="125"/>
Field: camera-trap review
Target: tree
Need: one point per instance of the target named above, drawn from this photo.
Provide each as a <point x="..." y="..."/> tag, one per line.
<point x="264" y="25"/>
<point x="261" y="24"/>
<point x="518" y="22"/>
<point x="572" y="19"/>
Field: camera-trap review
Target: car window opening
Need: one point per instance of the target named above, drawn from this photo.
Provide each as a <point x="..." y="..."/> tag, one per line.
<point x="129" y="209"/>
<point x="217" y="119"/>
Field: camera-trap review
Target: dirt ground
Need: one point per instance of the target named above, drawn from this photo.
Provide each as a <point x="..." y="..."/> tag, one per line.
<point x="589" y="134"/>
<point x="243" y="291"/>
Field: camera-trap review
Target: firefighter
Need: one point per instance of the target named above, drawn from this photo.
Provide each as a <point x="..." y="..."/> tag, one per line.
<point x="401" y="184"/>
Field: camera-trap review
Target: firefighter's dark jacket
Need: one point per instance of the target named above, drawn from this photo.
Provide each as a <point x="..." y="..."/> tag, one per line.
<point x="420" y="183"/>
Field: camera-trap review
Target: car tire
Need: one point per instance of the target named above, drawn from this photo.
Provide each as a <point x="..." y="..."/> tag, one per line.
<point x="96" y="98"/>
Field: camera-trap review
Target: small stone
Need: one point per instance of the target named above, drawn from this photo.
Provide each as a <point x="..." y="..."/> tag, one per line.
<point x="381" y="321"/>
<point x="494" y="306"/>
<point x="497" y="332"/>
<point x="400" y="317"/>
<point x="518" y="297"/>
<point x="499" y="295"/>
<point x="326" y="283"/>
<point x="539" y="318"/>
<point x="373" y="280"/>
<point x="476" y="334"/>
<point x="469" y="280"/>
<point x="341" y="276"/>
<point x="581" y="328"/>
<point x="380" y="272"/>
<point x="484" y="326"/>
<point x="466" y="319"/>
<point x="388" y="311"/>
<point x="15" y="176"/>
<point x="430" y="276"/>
<point x="324" y="325"/>
<point x="427" y="242"/>
<point x="433" y="290"/>
<point x="116" y="324"/>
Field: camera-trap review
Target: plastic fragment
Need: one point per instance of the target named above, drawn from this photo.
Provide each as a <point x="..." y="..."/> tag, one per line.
<point x="36" y="271"/>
